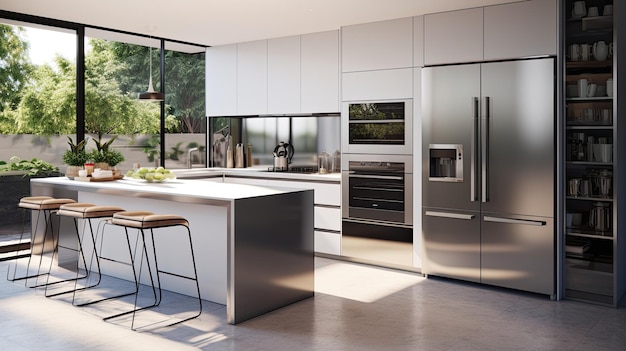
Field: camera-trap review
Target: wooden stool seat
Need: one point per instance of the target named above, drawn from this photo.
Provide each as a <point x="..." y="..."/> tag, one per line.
<point x="87" y="210"/>
<point x="147" y="220"/>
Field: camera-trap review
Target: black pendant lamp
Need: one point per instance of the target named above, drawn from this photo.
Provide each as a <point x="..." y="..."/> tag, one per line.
<point x="151" y="94"/>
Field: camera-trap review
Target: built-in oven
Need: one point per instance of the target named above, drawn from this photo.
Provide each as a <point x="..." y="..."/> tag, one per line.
<point x="377" y="209"/>
<point x="377" y="127"/>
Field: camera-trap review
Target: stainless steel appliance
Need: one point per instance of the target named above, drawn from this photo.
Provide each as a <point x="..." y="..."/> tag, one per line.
<point x="494" y="225"/>
<point x="377" y="209"/>
<point x="283" y="153"/>
<point x="377" y="127"/>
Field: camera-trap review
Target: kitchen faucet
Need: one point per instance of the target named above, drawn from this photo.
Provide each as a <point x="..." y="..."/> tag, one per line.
<point x="189" y="162"/>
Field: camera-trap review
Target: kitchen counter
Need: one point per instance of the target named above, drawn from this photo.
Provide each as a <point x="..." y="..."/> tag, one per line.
<point x="253" y="245"/>
<point x="254" y="172"/>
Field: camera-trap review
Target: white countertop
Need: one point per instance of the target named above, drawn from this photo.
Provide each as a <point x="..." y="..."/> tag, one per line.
<point x="256" y="172"/>
<point x="170" y="188"/>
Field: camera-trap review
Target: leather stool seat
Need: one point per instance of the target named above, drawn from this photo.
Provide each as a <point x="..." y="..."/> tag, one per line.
<point x="87" y="210"/>
<point x="40" y="203"/>
<point x="147" y="220"/>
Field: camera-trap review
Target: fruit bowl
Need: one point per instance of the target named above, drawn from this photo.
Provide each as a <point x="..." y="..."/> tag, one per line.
<point x="151" y="175"/>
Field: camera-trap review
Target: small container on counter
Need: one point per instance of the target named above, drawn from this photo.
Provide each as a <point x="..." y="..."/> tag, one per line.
<point x="336" y="162"/>
<point x="324" y="160"/>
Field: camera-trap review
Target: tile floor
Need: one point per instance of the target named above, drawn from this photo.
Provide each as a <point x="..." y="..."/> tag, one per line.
<point x="356" y="307"/>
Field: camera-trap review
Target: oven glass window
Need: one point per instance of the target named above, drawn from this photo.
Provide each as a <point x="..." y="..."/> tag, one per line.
<point x="376" y="123"/>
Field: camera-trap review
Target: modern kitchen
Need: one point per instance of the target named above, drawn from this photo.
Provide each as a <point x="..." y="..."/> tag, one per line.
<point x="476" y="146"/>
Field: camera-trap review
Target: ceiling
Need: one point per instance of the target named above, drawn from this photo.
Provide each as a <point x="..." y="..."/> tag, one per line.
<point x="216" y="22"/>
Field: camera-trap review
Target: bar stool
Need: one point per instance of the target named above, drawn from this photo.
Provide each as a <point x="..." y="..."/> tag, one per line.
<point x="143" y="220"/>
<point x="45" y="205"/>
<point x="87" y="212"/>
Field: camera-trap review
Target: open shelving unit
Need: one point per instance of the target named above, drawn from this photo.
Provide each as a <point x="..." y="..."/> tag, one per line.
<point x="591" y="266"/>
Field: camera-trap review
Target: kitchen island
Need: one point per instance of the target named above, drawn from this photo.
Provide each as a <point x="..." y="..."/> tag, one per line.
<point x="253" y="245"/>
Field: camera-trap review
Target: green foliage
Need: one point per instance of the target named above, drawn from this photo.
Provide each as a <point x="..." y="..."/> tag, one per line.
<point x="103" y="154"/>
<point x="34" y="167"/>
<point x="15" y="68"/>
<point x="76" y="155"/>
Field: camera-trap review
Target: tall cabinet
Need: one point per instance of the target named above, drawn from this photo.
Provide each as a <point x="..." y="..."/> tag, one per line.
<point x="592" y="269"/>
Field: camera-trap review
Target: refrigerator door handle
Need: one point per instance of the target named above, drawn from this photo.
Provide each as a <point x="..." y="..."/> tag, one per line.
<point x="449" y="215"/>
<point x="474" y="153"/>
<point x="485" y="156"/>
<point x="513" y="221"/>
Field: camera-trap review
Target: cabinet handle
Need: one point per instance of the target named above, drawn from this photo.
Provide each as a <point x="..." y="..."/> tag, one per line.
<point x="449" y="215"/>
<point x="513" y="221"/>
<point x="485" y="158"/>
<point x="474" y="152"/>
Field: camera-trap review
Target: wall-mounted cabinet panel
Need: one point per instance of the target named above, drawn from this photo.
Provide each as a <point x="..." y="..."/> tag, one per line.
<point x="283" y="75"/>
<point x="377" y="85"/>
<point x="320" y="72"/>
<point x="453" y="37"/>
<point x="418" y="41"/>
<point x="378" y="45"/>
<point x="520" y="29"/>
<point x="252" y="78"/>
<point x="221" y="80"/>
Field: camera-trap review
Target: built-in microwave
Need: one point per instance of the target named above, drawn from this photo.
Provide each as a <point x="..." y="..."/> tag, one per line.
<point x="377" y="127"/>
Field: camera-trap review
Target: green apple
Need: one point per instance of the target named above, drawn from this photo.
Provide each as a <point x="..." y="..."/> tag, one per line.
<point x="142" y="170"/>
<point x="160" y="169"/>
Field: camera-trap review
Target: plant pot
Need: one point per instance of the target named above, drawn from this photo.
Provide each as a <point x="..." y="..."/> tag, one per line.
<point x="101" y="165"/>
<point x="72" y="171"/>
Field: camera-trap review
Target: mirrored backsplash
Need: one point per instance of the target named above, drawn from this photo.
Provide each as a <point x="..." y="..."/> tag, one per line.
<point x="308" y="135"/>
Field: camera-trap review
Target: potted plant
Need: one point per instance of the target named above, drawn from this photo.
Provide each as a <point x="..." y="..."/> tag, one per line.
<point x="15" y="177"/>
<point x="103" y="156"/>
<point x="75" y="157"/>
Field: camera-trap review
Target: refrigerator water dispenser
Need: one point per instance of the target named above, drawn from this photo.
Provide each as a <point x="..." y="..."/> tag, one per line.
<point x="446" y="163"/>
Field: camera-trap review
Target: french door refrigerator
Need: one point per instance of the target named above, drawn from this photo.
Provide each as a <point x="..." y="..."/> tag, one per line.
<point x="489" y="173"/>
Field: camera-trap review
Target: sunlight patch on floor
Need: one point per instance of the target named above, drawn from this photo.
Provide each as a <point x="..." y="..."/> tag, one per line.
<point x="362" y="283"/>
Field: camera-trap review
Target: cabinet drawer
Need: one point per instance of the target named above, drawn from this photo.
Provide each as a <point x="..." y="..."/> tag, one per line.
<point x="326" y="194"/>
<point x="328" y="243"/>
<point x="328" y="218"/>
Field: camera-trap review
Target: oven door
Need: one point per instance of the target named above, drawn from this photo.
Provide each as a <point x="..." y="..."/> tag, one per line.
<point x="378" y="189"/>
<point x="377" y="127"/>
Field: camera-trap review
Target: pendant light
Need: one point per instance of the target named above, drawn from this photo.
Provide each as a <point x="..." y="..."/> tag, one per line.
<point x="151" y="94"/>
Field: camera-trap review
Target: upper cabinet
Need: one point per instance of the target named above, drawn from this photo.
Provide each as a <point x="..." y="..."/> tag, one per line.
<point x="221" y="80"/>
<point x="521" y="29"/>
<point x="453" y="37"/>
<point x="514" y="30"/>
<point x="319" y="69"/>
<point x="378" y="45"/>
<point x="283" y="75"/>
<point x="297" y="74"/>
<point x="252" y="78"/>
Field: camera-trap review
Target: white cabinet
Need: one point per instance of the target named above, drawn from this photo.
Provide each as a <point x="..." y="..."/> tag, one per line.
<point x="418" y="41"/>
<point x="378" y="45"/>
<point x="328" y="243"/>
<point x="452" y="37"/>
<point x="221" y="80"/>
<point x="328" y="218"/>
<point x="252" y="78"/>
<point x="319" y="72"/>
<point x="377" y="85"/>
<point x="506" y="31"/>
<point x="283" y="75"/>
<point x="521" y="29"/>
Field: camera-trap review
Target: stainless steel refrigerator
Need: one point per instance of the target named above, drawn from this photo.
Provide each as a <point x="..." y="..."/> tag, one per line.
<point x="489" y="173"/>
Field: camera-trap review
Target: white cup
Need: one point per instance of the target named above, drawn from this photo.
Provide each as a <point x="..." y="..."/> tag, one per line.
<point x="582" y="84"/>
<point x="585" y="52"/>
<point x="574" y="52"/>
<point x="607" y="10"/>
<point x="609" y="87"/>
<point x="580" y="9"/>
<point x="606" y="115"/>
<point x="593" y="12"/>
<point x="591" y="90"/>
<point x="82" y="173"/>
